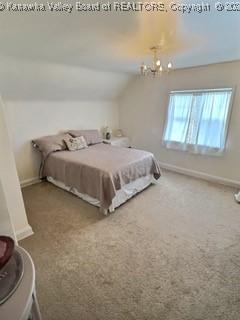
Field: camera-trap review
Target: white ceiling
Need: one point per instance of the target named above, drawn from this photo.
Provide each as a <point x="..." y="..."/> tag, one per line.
<point x="119" y="41"/>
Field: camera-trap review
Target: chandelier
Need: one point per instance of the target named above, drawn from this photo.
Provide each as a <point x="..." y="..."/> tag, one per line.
<point x="157" y="67"/>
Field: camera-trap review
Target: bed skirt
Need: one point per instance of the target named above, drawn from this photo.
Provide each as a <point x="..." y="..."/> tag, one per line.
<point x="128" y="191"/>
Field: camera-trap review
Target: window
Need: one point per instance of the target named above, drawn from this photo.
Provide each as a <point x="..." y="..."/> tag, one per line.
<point x="197" y="121"/>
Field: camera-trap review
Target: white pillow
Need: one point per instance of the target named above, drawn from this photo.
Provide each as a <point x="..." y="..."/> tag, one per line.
<point x="77" y="143"/>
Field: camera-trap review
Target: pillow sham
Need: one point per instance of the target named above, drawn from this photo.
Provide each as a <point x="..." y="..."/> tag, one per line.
<point x="49" y="144"/>
<point x="77" y="143"/>
<point x="91" y="136"/>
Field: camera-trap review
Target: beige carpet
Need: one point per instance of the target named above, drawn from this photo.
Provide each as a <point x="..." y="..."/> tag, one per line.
<point x="170" y="253"/>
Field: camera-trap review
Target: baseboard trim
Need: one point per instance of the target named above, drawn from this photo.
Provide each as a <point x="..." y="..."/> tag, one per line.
<point x="201" y="175"/>
<point x="24" y="233"/>
<point x="29" y="182"/>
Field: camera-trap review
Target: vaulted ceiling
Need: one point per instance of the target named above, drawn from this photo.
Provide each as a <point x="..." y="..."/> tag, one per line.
<point x="120" y="41"/>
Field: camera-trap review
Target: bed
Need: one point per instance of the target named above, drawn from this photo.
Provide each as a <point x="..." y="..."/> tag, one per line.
<point x="103" y="175"/>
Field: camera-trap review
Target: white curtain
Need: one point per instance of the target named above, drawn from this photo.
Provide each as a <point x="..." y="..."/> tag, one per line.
<point x="198" y="121"/>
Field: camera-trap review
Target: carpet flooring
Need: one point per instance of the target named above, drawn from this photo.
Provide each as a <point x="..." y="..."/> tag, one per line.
<point x="170" y="253"/>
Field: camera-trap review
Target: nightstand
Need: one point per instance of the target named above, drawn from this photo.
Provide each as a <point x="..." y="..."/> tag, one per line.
<point x="118" y="141"/>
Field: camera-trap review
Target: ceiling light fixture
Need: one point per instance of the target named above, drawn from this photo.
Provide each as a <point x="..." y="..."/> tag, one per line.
<point x="157" y="67"/>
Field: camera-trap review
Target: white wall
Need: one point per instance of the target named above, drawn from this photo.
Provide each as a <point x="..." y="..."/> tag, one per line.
<point x="43" y="97"/>
<point x="33" y="119"/>
<point x="13" y="219"/>
<point x="6" y="226"/>
<point x="143" y="108"/>
<point x="41" y="80"/>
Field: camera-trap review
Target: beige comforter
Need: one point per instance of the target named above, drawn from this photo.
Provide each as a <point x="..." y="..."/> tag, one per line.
<point x="100" y="170"/>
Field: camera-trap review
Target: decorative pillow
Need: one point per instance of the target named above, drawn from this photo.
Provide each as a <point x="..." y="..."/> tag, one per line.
<point x="77" y="143"/>
<point x="91" y="136"/>
<point x="49" y="144"/>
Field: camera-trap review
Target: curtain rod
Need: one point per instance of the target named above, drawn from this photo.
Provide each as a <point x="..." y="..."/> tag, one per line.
<point x="201" y="90"/>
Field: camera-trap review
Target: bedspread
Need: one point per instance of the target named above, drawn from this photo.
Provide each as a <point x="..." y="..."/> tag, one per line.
<point x="100" y="170"/>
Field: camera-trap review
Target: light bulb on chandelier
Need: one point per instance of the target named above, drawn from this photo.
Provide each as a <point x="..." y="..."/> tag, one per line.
<point x="157" y="67"/>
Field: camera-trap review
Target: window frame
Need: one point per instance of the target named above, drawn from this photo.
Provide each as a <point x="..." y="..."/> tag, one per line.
<point x="192" y="148"/>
